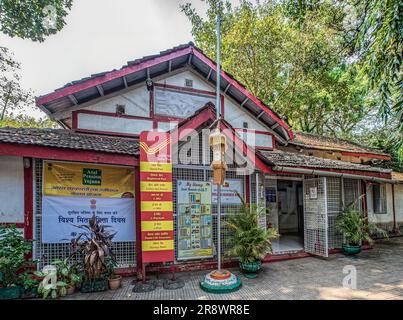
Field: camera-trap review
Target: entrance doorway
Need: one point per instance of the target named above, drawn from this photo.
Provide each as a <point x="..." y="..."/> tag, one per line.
<point x="290" y="211"/>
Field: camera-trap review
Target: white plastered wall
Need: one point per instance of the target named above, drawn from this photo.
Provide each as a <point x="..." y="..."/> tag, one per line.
<point x="11" y="189"/>
<point x="179" y="80"/>
<point x="399" y="203"/>
<point x="233" y="112"/>
<point x="113" y="124"/>
<point x="136" y="102"/>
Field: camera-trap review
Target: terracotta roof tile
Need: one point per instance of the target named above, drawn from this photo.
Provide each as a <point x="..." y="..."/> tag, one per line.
<point x="60" y="138"/>
<point x="314" y="141"/>
<point x="289" y="159"/>
<point x="397" y="176"/>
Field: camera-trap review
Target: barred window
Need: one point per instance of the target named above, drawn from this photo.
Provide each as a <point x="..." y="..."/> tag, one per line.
<point x="379" y="198"/>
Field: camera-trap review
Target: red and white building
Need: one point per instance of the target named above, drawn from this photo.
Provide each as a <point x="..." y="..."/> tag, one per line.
<point x="304" y="180"/>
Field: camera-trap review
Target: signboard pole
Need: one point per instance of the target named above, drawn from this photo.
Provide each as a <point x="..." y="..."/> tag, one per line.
<point x="156" y="199"/>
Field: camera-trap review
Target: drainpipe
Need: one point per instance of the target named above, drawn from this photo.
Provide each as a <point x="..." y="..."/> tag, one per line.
<point x="331" y="174"/>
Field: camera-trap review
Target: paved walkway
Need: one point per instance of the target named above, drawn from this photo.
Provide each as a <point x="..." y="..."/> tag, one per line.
<point x="379" y="276"/>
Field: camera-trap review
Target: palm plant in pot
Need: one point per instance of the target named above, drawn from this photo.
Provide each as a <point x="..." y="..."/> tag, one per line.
<point x="356" y="229"/>
<point x="248" y="241"/>
<point x="93" y="247"/>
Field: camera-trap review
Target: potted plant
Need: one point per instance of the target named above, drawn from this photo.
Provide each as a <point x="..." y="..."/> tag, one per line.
<point x="29" y="284"/>
<point x="356" y="229"/>
<point x="13" y="251"/>
<point x="68" y="273"/>
<point x="248" y="241"/>
<point x="115" y="280"/>
<point x="93" y="246"/>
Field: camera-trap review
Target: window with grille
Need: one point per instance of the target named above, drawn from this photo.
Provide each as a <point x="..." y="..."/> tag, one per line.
<point x="379" y="198"/>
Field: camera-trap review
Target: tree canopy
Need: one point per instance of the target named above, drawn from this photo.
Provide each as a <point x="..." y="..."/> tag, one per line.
<point x="313" y="61"/>
<point x="33" y="19"/>
<point x="12" y="96"/>
<point x="298" y="69"/>
<point x="374" y="29"/>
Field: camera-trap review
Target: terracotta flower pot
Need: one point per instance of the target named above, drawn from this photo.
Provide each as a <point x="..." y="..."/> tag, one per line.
<point x="115" y="283"/>
<point x="71" y="290"/>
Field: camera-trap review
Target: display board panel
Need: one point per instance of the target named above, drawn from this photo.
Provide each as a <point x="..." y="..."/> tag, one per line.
<point x="195" y="234"/>
<point x="74" y="192"/>
<point x="229" y="191"/>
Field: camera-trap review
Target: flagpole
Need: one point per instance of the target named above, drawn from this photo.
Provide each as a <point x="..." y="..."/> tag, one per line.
<point x="219" y="281"/>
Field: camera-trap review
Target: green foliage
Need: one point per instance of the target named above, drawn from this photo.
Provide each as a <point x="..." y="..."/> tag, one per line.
<point x="13" y="248"/>
<point x="356" y="228"/>
<point x="248" y="241"/>
<point x="382" y="137"/>
<point x="379" y="43"/>
<point x="33" y="19"/>
<point x="111" y="265"/>
<point x="94" y="247"/>
<point x="12" y="96"/>
<point x="59" y="289"/>
<point x="67" y="272"/>
<point x="28" y="281"/>
<point x="298" y="68"/>
<point x="25" y="121"/>
<point x="374" y="32"/>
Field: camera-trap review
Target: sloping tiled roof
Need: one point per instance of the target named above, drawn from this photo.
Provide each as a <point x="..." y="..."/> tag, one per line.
<point x="129" y="63"/>
<point x="60" y="138"/>
<point x="137" y="71"/>
<point x="150" y="57"/>
<point x="314" y="141"/>
<point x="397" y="176"/>
<point x="290" y="159"/>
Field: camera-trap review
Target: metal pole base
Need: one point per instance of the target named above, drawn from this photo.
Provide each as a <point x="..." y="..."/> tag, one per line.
<point x="220" y="281"/>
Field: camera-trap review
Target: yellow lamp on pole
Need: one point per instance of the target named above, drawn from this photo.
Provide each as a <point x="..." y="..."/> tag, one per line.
<point x="218" y="144"/>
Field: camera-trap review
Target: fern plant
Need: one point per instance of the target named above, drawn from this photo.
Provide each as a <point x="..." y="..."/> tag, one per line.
<point x="249" y="242"/>
<point x="356" y="228"/>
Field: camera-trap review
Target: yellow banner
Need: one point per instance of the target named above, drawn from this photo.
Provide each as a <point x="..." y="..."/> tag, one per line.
<point x="156" y="206"/>
<point x="87" y="180"/>
<point x="155" y="186"/>
<point x="157" y="245"/>
<point x="157" y="225"/>
<point x="155" y="167"/>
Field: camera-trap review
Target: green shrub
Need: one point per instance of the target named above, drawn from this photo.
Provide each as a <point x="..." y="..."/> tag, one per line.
<point x="13" y="251"/>
<point x="356" y="228"/>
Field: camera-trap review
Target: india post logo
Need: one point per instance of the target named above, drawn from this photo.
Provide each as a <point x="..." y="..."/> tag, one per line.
<point x="92" y="177"/>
